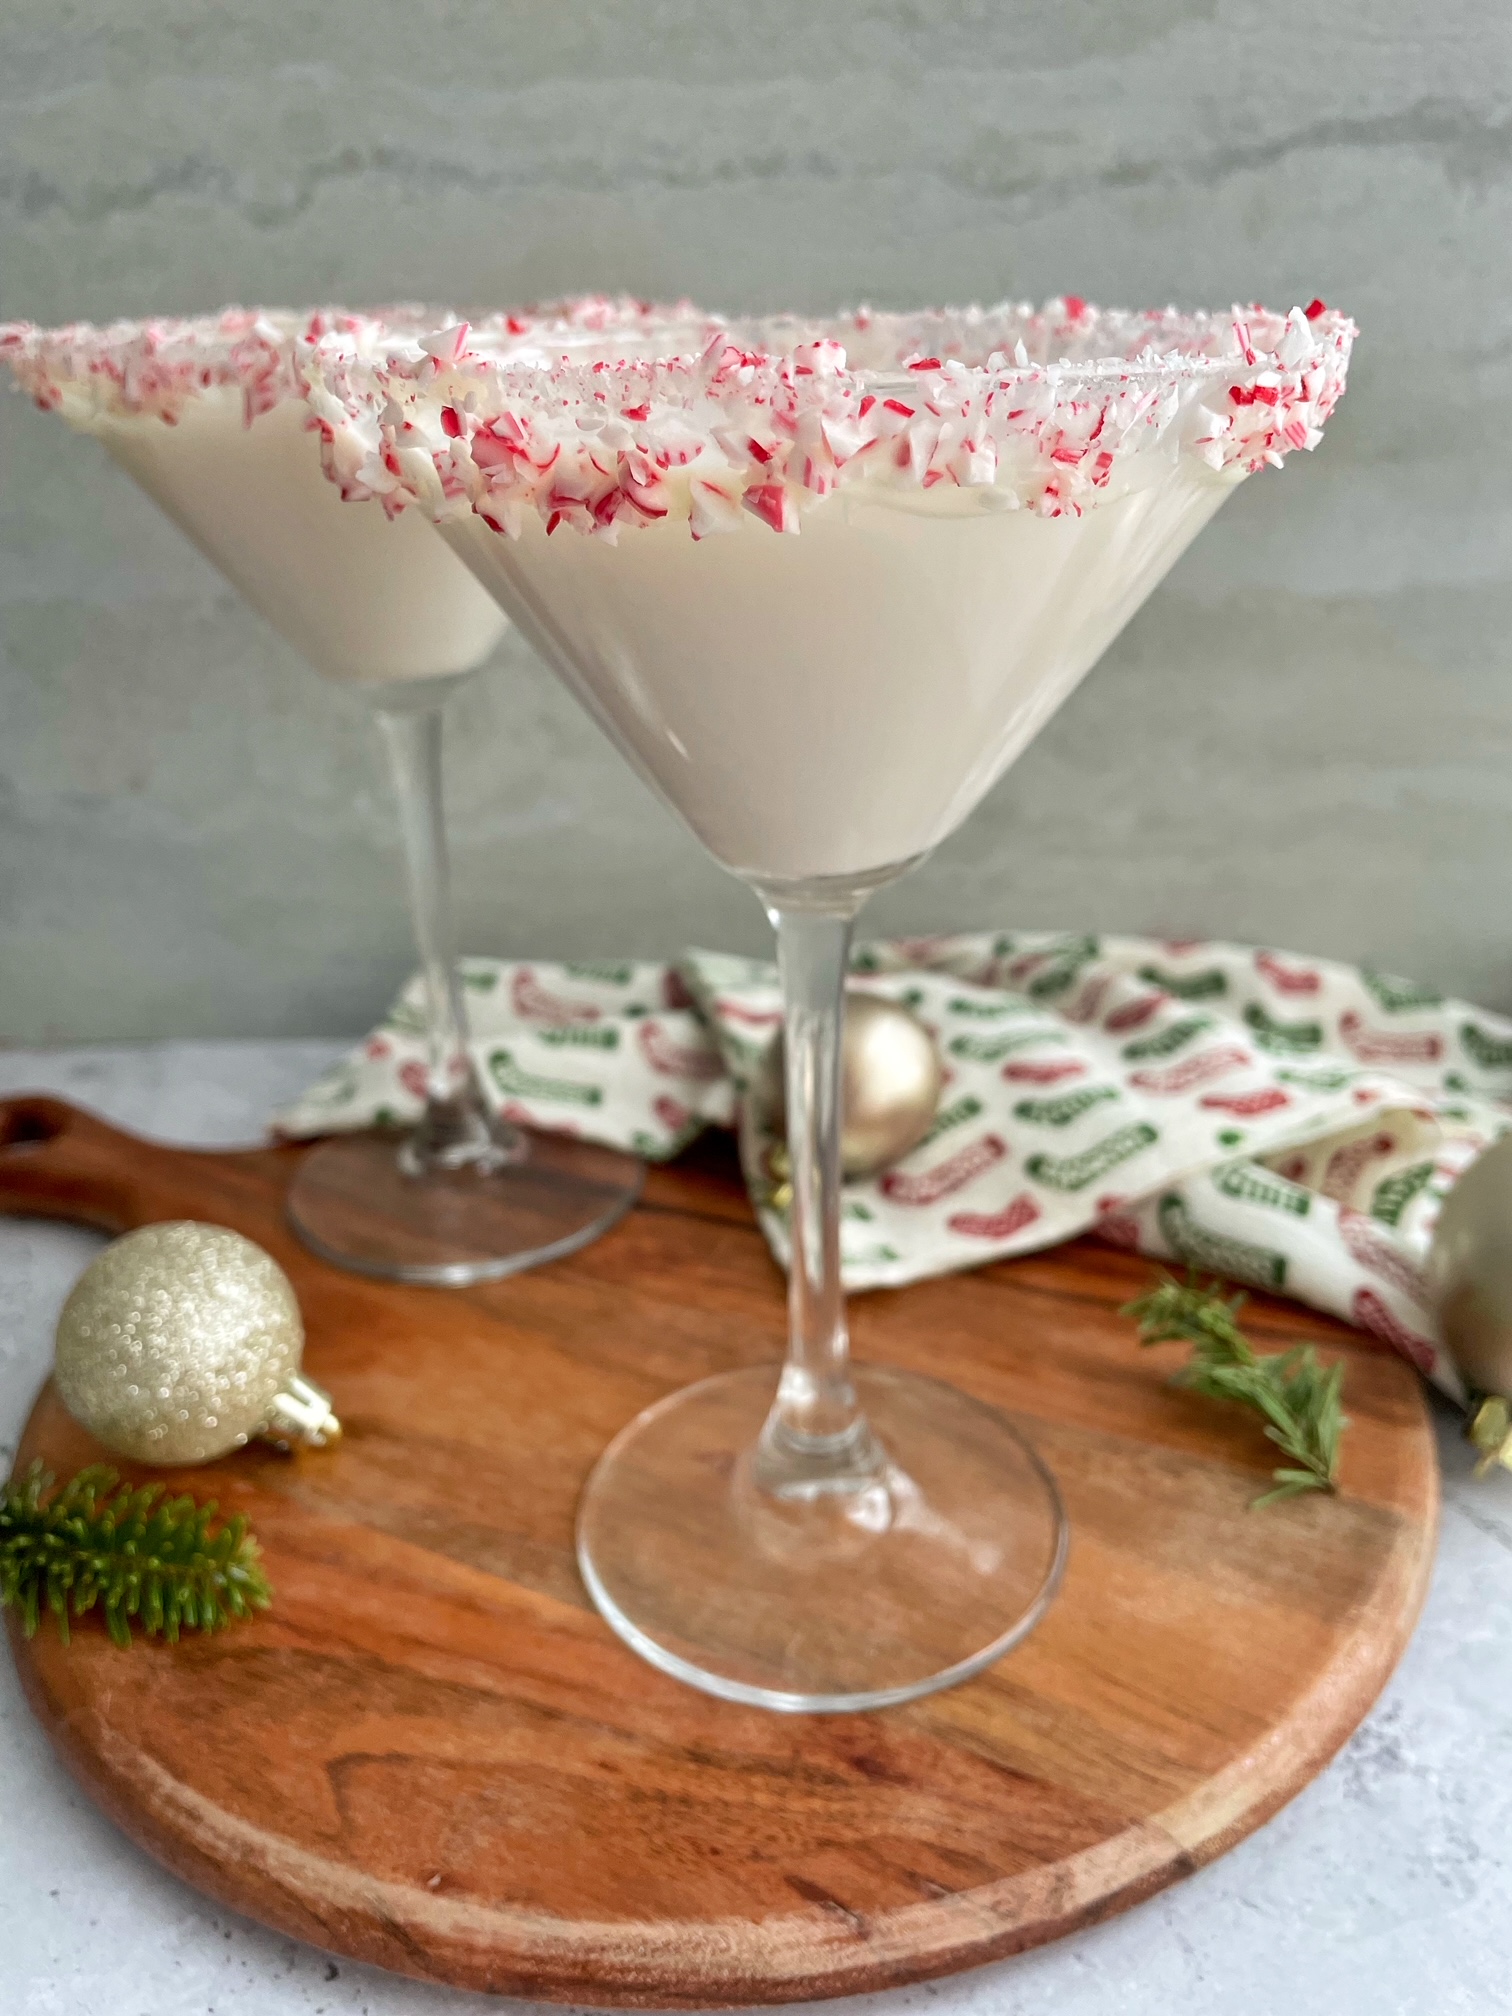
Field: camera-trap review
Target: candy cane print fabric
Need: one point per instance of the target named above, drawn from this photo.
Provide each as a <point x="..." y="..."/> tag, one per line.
<point x="608" y="1049"/>
<point x="1289" y="1123"/>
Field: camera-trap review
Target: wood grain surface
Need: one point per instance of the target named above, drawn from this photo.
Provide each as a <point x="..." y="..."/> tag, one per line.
<point x="432" y="1755"/>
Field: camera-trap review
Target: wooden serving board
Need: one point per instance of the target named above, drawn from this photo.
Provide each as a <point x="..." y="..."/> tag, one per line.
<point x="433" y="1755"/>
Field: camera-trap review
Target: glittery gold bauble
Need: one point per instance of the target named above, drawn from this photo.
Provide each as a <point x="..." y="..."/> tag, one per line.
<point x="890" y="1083"/>
<point x="181" y="1342"/>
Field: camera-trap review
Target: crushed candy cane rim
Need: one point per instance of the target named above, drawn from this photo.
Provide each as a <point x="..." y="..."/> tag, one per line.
<point x="119" y="370"/>
<point x="1044" y="409"/>
<point x="158" y="367"/>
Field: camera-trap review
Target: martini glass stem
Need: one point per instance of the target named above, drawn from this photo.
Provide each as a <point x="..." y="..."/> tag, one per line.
<point x="816" y="1439"/>
<point x="456" y="1130"/>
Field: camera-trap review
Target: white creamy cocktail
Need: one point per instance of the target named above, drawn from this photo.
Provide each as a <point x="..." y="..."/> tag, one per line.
<point x="821" y="583"/>
<point x="209" y="418"/>
<point x="362" y="597"/>
<point x="836" y="704"/>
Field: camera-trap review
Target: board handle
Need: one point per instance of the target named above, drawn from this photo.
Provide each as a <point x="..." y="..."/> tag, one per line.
<point x="57" y="1161"/>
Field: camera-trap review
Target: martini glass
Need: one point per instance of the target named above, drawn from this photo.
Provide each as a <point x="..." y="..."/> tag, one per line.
<point x="209" y="418"/>
<point x="833" y="579"/>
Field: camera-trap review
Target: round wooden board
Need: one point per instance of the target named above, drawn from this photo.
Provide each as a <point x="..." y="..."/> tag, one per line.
<point x="433" y="1756"/>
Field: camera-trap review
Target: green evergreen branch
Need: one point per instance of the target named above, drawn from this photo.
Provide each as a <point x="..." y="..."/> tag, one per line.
<point x="166" y="1563"/>
<point x="1298" y="1398"/>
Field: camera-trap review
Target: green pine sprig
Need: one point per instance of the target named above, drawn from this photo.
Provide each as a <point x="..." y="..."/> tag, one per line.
<point x="1298" y="1398"/>
<point x="166" y="1564"/>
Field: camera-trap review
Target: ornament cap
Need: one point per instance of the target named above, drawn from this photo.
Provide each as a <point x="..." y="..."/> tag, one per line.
<point x="1490" y="1433"/>
<point x="301" y="1416"/>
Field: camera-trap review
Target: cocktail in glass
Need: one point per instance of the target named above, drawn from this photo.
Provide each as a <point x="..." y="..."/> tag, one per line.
<point x="209" y="417"/>
<point x="821" y="583"/>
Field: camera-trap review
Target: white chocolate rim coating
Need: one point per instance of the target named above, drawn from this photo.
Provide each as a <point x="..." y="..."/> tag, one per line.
<point x="94" y="372"/>
<point x="1041" y="409"/>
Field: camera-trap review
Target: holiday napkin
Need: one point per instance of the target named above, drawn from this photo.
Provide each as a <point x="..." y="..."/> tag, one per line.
<point x="1289" y="1123"/>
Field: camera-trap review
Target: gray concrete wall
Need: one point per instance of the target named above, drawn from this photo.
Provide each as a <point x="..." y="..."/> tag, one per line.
<point x="1306" y="736"/>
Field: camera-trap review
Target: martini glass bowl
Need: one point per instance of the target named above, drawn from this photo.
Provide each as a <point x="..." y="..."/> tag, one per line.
<point x="821" y="583"/>
<point x="209" y="418"/>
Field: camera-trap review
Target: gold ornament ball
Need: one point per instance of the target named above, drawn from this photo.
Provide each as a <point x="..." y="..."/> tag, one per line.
<point x="1470" y="1271"/>
<point x="182" y="1341"/>
<point x="890" y="1083"/>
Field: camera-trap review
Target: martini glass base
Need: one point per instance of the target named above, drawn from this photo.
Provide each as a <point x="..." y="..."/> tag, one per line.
<point x="832" y="1600"/>
<point x="352" y="1203"/>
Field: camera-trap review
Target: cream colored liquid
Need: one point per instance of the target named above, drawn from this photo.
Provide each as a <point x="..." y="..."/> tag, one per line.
<point x="836" y="702"/>
<point x="364" y="597"/>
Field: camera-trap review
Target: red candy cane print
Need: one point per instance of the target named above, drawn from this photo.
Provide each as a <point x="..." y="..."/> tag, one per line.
<point x="537" y="1004"/>
<point x="1370" y="1248"/>
<point x="1026" y="965"/>
<point x="1288" y="979"/>
<point x="1013" y="1218"/>
<point x="1134" y="1014"/>
<point x="1048" y="1073"/>
<point x="954" y="1173"/>
<point x="1120" y="1229"/>
<point x="750" y="1018"/>
<point x="1389" y="1046"/>
<point x="1088" y="1004"/>
<point x="1346" y="1165"/>
<point x="1370" y="1313"/>
<point x="672" y="1115"/>
<point x="1247" y="1105"/>
<point x="920" y="951"/>
<point x="1116" y="1224"/>
<point x="671" y="1059"/>
<point x="1192" y="1071"/>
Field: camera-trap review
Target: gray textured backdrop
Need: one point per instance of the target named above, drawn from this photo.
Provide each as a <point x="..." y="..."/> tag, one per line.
<point x="1306" y="737"/>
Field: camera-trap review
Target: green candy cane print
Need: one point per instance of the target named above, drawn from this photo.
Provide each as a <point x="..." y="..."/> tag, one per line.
<point x="580" y="1036"/>
<point x="1217" y="1252"/>
<point x="954" y="1115"/>
<point x="1066" y="1107"/>
<point x="1289" y="1039"/>
<point x="1075" y="1172"/>
<point x="517" y="1083"/>
<point x="1204" y="986"/>
<point x="1064" y="968"/>
<point x="1323" y="1079"/>
<point x="1166" y="1042"/>
<point x="1394" y="1193"/>
<point x="1485" y="1050"/>
<point x="404" y="1019"/>
<point x="993" y="1049"/>
<point x="1396" y="996"/>
<point x="1251" y="1184"/>
<point x="612" y="971"/>
<point x="983" y="1011"/>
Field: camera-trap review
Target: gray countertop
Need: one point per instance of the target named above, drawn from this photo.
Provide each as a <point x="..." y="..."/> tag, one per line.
<point x="1384" y="1890"/>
